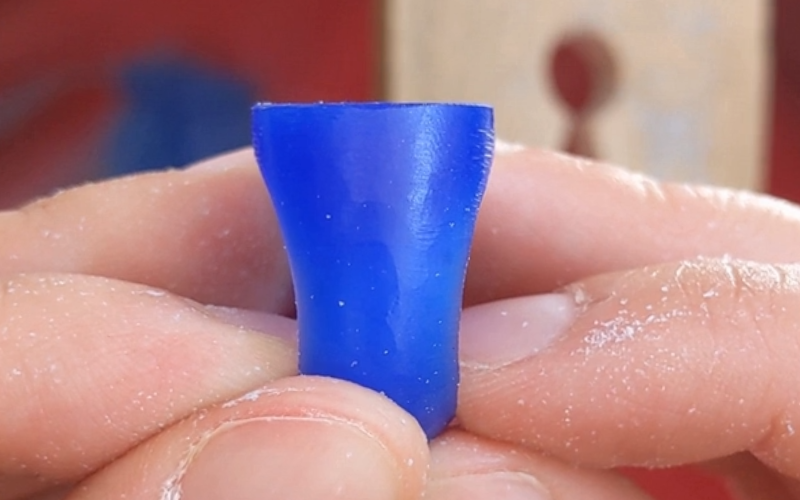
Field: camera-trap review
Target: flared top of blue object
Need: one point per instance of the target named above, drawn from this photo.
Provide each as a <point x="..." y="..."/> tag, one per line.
<point x="371" y="105"/>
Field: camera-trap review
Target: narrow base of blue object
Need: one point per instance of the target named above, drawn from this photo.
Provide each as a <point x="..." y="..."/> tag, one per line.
<point x="377" y="204"/>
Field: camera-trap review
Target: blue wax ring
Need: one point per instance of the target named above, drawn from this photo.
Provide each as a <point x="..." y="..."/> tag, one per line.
<point x="377" y="205"/>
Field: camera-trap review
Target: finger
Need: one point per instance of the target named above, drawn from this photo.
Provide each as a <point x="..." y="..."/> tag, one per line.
<point x="89" y="367"/>
<point x="549" y="219"/>
<point x="667" y="365"/>
<point x="208" y="234"/>
<point x="299" y="438"/>
<point x="466" y="467"/>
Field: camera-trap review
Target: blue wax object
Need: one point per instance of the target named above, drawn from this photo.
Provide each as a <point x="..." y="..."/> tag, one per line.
<point x="377" y="204"/>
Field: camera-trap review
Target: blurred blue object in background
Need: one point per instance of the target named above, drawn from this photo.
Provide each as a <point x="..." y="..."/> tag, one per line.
<point x="177" y="113"/>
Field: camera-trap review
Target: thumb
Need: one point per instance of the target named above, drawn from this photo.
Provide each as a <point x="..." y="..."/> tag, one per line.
<point x="660" y="366"/>
<point x="297" y="437"/>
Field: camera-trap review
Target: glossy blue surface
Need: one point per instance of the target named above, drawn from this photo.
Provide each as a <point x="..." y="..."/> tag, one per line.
<point x="377" y="204"/>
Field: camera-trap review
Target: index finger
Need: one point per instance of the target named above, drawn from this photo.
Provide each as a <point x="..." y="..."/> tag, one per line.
<point x="209" y="233"/>
<point x="549" y="219"/>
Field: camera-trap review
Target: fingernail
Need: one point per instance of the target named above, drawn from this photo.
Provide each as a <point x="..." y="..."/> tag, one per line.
<point x="287" y="457"/>
<point x="499" y="333"/>
<point x="272" y="324"/>
<point x="225" y="161"/>
<point x="496" y="485"/>
<point x="502" y="147"/>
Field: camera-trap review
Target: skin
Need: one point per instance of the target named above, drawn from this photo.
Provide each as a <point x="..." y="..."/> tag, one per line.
<point x="659" y="326"/>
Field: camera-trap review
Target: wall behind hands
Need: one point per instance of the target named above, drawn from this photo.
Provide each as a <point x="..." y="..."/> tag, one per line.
<point x="91" y="88"/>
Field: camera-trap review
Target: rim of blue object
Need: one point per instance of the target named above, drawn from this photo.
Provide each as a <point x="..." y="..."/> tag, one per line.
<point x="367" y="105"/>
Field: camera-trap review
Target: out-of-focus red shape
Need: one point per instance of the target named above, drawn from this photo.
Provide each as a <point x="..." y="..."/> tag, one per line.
<point x="299" y="50"/>
<point x="583" y="74"/>
<point x="679" y="483"/>
<point x="784" y="178"/>
<point x="52" y="148"/>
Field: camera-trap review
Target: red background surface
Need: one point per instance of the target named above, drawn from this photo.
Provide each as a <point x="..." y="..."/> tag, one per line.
<point x="299" y="50"/>
<point x="784" y="147"/>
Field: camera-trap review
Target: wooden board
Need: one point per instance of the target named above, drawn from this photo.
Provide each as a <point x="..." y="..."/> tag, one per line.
<point x="690" y="94"/>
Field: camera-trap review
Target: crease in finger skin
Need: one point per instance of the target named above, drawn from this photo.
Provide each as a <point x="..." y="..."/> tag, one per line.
<point x="661" y="366"/>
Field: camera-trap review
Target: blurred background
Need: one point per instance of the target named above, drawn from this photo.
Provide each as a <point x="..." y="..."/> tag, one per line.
<point x="93" y="88"/>
<point x="705" y="90"/>
<point x="97" y="88"/>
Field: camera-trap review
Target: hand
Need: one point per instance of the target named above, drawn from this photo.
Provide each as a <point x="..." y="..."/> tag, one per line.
<point x="136" y="389"/>
<point x="116" y="381"/>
